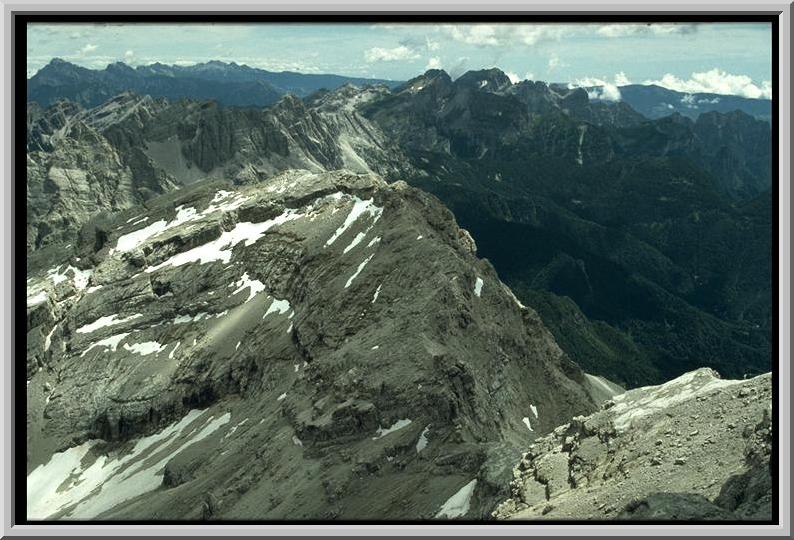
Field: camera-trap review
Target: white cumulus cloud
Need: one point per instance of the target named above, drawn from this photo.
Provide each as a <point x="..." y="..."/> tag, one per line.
<point x="433" y="63"/>
<point x="621" y="79"/>
<point x="514" y="78"/>
<point x="379" y="54"/>
<point x="716" y="81"/>
<point x="89" y="48"/>
<point x="631" y="29"/>
<point x="555" y="62"/>
<point x="598" y="88"/>
<point x="507" y="35"/>
<point x="432" y="45"/>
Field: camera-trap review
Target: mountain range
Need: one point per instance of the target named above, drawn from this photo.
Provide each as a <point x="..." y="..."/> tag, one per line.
<point x="381" y="294"/>
<point x="241" y="85"/>
<point x="227" y="83"/>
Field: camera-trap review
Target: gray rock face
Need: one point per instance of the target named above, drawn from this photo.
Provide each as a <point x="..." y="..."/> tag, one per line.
<point x="74" y="173"/>
<point x="695" y="448"/>
<point x="318" y="345"/>
<point x="130" y="148"/>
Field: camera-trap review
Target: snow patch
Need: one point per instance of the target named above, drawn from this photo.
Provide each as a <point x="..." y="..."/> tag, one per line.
<point x="526" y="423"/>
<point x="110" y="342"/>
<point x="358" y="271"/>
<point x="399" y="424"/>
<point x="37" y="299"/>
<point x="421" y="444"/>
<point x="458" y="504"/>
<point x="280" y="306"/>
<point x="65" y="483"/>
<point x="478" y="287"/>
<point x="255" y="286"/>
<point x="220" y="249"/>
<point x="360" y="207"/>
<point x="109" y="320"/>
<point x="48" y="338"/>
<point x="145" y="348"/>
<point x="359" y="237"/>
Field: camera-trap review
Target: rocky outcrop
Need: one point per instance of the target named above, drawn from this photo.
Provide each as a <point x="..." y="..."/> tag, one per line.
<point x="318" y="345"/>
<point x="695" y="448"/>
<point x="74" y="173"/>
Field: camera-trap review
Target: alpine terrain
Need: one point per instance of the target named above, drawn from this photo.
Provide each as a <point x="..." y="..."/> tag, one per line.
<point x="274" y="296"/>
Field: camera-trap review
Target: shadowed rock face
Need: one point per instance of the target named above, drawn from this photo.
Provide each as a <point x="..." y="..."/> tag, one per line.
<point x="313" y="346"/>
<point x="695" y="448"/>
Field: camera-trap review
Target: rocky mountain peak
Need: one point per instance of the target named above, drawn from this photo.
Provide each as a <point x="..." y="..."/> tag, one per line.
<point x="489" y="80"/>
<point x="344" y="320"/>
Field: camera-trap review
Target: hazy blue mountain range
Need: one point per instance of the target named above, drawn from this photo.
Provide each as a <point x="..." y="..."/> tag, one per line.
<point x="234" y="84"/>
<point x="655" y="101"/>
<point x="227" y="83"/>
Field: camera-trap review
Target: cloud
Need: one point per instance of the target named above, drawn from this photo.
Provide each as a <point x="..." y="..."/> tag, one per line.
<point x="129" y="55"/>
<point x="599" y="88"/>
<point x="623" y="30"/>
<point x="459" y="68"/>
<point x="433" y="63"/>
<point x="506" y="35"/>
<point x="89" y="48"/>
<point x="716" y="81"/>
<point x="378" y="54"/>
<point x="621" y="79"/>
<point x="431" y="44"/>
<point x="514" y="78"/>
<point x="555" y="62"/>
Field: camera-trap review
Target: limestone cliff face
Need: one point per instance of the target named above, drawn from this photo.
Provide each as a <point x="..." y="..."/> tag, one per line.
<point x="694" y="448"/>
<point x="313" y="346"/>
<point x="74" y="173"/>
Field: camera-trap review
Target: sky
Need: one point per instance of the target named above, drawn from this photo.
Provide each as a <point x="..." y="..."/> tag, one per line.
<point x="725" y="58"/>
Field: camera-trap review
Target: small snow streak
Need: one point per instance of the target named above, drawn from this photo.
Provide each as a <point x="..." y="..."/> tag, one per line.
<point x="421" y="444"/>
<point x="377" y="292"/>
<point x="359" y="237"/>
<point x="478" y="287"/>
<point x="359" y="208"/>
<point x="358" y="271"/>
